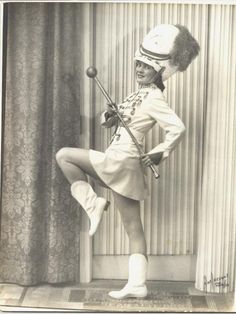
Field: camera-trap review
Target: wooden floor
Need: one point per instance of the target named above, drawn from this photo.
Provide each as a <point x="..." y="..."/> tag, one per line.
<point x="163" y="296"/>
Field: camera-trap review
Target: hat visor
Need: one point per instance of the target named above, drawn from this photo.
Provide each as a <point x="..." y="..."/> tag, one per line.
<point x="148" y="61"/>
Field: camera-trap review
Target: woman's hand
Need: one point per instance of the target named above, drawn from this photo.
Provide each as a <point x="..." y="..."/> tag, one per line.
<point x="146" y="160"/>
<point x="110" y="110"/>
<point x="152" y="159"/>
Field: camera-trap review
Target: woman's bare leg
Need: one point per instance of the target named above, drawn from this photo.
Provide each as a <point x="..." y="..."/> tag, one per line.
<point x="130" y="214"/>
<point x="75" y="164"/>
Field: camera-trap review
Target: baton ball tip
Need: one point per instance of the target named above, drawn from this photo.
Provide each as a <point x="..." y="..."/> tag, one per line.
<point x="91" y="72"/>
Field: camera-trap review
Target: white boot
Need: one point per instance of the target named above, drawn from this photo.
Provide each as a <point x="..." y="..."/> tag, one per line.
<point x="135" y="288"/>
<point x="91" y="203"/>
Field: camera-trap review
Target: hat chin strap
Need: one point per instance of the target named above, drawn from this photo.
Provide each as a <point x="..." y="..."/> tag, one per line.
<point x="159" y="80"/>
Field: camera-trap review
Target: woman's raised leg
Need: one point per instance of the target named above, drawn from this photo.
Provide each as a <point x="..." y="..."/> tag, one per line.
<point x="75" y="164"/>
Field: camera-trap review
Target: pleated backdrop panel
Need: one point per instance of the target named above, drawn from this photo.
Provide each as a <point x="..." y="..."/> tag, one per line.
<point x="217" y="214"/>
<point x="169" y="214"/>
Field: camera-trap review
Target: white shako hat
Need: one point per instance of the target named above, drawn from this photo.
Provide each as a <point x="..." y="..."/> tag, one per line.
<point x="156" y="47"/>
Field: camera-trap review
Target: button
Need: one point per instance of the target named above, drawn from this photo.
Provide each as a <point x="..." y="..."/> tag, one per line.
<point x="117" y="137"/>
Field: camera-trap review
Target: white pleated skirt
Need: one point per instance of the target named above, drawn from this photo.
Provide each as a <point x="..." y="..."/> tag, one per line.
<point x="120" y="167"/>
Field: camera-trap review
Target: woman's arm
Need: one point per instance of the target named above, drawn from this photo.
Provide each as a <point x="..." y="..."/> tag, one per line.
<point x="174" y="128"/>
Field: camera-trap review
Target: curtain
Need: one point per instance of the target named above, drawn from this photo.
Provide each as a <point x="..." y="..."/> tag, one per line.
<point x="39" y="219"/>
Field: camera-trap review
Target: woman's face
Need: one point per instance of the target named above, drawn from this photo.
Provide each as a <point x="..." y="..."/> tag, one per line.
<point x="145" y="74"/>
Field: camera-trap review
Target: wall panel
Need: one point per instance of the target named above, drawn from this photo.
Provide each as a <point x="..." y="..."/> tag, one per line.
<point x="217" y="215"/>
<point x="169" y="213"/>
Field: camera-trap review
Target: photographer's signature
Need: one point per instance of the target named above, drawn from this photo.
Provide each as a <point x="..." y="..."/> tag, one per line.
<point x="216" y="282"/>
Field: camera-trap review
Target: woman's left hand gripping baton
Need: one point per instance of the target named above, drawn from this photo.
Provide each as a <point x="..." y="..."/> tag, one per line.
<point x="92" y="73"/>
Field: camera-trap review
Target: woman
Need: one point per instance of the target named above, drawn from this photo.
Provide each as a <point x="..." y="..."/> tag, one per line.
<point x="165" y="50"/>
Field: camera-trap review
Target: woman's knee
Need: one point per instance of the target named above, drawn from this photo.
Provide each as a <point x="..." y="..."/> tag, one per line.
<point x="62" y="155"/>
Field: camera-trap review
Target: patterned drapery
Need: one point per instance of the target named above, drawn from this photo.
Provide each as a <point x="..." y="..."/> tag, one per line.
<point x="39" y="219"/>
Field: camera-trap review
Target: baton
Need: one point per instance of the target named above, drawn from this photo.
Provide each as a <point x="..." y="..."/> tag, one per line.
<point x="92" y="73"/>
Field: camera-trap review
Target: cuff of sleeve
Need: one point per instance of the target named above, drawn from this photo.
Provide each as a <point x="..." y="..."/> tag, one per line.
<point x="108" y="120"/>
<point x="160" y="149"/>
<point x="165" y="155"/>
<point x="103" y="118"/>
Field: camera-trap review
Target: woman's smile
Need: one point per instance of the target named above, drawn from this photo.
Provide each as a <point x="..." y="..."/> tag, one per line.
<point x="145" y="74"/>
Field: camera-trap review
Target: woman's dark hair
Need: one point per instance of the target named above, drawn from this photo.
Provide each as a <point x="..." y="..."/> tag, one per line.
<point x="159" y="82"/>
<point x="185" y="49"/>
